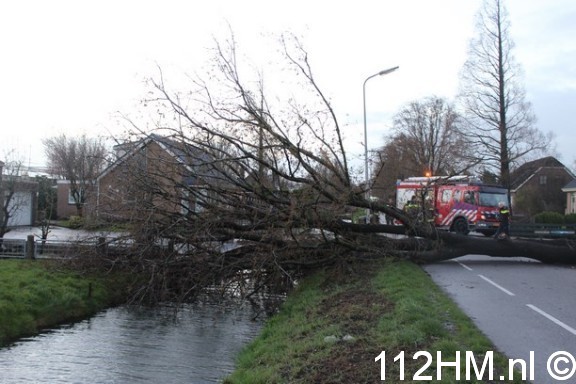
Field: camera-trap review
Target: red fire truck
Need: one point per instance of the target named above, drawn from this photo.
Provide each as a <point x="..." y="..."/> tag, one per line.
<point x="458" y="203"/>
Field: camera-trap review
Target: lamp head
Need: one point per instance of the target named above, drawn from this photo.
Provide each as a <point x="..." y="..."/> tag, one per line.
<point x="387" y="71"/>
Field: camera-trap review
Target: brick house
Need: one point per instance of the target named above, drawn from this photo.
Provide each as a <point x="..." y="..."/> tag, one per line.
<point x="570" y="191"/>
<point x="66" y="206"/>
<point x="537" y="187"/>
<point x="155" y="173"/>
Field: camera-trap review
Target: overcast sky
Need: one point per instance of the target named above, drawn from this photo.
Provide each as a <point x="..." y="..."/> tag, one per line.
<point x="70" y="66"/>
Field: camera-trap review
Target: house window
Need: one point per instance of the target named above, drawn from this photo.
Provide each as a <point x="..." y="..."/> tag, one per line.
<point x="543" y="180"/>
<point x="194" y="200"/>
<point x="185" y="203"/>
<point x="71" y="199"/>
<point x="202" y="198"/>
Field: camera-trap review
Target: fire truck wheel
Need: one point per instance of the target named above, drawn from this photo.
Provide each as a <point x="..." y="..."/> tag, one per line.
<point x="460" y="226"/>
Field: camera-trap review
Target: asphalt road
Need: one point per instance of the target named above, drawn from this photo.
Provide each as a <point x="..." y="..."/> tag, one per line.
<point x="523" y="306"/>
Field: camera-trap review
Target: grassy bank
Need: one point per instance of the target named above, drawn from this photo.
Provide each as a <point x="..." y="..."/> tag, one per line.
<point x="388" y="306"/>
<point x="37" y="294"/>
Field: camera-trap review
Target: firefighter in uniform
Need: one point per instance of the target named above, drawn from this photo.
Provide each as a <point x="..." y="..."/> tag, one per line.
<point x="412" y="207"/>
<point x="503" y="231"/>
<point x="429" y="210"/>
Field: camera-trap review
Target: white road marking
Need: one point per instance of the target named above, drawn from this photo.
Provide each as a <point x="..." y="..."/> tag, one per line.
<point x="497" y="285"/>
<point x="465" y="266"/>
<point x="552" y="318"/>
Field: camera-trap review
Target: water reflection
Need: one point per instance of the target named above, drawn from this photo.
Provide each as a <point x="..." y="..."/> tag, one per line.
<point x="196" y="344"/>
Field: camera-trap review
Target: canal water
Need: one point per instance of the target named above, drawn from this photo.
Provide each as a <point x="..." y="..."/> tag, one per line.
<point x="195" y="344"/>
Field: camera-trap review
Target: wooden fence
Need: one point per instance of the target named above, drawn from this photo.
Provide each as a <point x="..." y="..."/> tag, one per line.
<point x="32" y="248"/>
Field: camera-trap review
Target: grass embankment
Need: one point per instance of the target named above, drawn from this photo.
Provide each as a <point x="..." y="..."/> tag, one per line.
<point x="388" y="306"/>
<point x="36" y="294"/>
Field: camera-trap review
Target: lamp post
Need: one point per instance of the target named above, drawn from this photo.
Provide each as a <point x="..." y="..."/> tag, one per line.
<point x="366" y="176"/>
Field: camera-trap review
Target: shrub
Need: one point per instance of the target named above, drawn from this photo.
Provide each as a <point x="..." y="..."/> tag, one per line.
<point x="549" y="218"/>
<point x="570" y="218"/>
<point x="75" y="222"/>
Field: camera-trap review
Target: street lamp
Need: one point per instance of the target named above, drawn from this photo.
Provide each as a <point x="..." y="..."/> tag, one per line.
<point x="384" y="72"/>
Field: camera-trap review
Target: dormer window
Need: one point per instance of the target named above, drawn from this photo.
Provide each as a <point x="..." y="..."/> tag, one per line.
<point x="543" y="180"/>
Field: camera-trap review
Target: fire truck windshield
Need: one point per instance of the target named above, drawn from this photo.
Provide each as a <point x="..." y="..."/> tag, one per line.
<point x="491" y="199"/>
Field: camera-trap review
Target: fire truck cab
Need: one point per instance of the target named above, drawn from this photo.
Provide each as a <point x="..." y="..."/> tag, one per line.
<point x="459" y="203"/>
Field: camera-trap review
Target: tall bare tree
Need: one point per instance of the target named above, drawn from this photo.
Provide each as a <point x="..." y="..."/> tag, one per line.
<point x="425" y="140"/>
<point x="392" y="163"/>
<point x="500" y="121"/>
<point x="430" y="130"/>
<point x="78" y="160"/>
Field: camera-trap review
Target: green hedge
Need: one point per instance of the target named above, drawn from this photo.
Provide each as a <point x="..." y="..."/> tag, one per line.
<point x="549" y="218"/>
<point x="570" y="219"/>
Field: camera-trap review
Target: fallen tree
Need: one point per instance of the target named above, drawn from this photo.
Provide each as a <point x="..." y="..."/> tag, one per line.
<point x="232" y="182"/>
